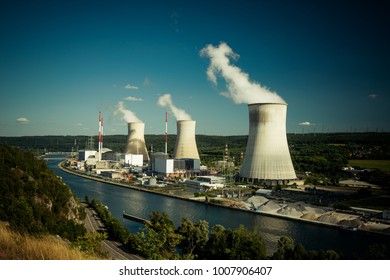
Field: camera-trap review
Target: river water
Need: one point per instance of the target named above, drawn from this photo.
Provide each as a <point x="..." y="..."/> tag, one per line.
<point x="141" y="204"/>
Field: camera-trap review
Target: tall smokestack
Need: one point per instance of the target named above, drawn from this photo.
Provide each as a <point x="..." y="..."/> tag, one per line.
<point x="100" y="137"/>
<point x="267" y="157"/>
<point x="166" y="133"/>
<point x="185" y="140"/>
<point x="136" y="140"/>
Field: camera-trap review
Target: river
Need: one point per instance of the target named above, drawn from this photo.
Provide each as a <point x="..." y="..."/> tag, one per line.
<point x="141" y="204"/>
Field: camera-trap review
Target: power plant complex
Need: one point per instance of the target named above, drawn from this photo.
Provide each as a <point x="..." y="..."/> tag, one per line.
<point x="266" y="160"/>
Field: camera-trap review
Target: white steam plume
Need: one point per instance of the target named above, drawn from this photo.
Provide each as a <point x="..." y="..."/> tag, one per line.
<point x="166" y="101"/>
<point x="127" y="115"/>
<point x="240" y="88"/>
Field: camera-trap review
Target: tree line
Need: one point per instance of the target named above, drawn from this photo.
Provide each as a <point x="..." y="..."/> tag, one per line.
<point x="159" y="239"/>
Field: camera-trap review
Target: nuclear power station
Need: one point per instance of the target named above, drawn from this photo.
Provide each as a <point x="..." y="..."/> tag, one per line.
<point x="135" y="144"/>
<point x="185" y="140"/>
<point x="267" y="157"/>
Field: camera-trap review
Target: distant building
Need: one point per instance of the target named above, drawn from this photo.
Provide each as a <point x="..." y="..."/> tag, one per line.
<point x="111" y="174"/>
<point x="176" y="166"/>
<point x="107" y="164"/>
<point x="111" y="155"/>
<point x="85" y="154"/>
<point x="207" y="182"/>
<point x="134" y="160"/>
<point x="163" y="166"/>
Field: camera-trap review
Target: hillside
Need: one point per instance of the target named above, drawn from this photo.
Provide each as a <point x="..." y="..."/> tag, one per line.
<point x="33" y="200"/>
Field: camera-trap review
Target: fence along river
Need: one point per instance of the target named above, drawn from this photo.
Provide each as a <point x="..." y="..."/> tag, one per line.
<point x="141" y="204"/>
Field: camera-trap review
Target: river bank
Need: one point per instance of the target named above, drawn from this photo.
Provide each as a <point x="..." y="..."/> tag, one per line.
<point x="297" y="211"/>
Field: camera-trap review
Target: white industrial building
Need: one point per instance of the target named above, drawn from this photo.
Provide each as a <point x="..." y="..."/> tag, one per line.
<point x="134" y="160"/>
<point x="85" y="154"/>
<point x="185" y="167"/>
<point x="267" y="157"/>
<point x="207" y="182"/>
<point x="164" y="166"/>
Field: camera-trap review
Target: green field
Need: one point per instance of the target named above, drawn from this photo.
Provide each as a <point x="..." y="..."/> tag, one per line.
<point x="383" y="165"/>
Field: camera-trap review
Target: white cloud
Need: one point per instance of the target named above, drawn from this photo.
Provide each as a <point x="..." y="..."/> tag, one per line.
<point x="79" y="124"/>
<point x="132" y="98"/>
<point x="306" y="123"/>
<point x="23" y="120"/>
<point x="128" y="86"/>
<point x="373" y="96"/>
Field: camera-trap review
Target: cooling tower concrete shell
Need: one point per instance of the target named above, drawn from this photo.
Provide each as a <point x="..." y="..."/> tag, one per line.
<point x="136" y="140"/>
<point x="185" y="140"/>
<point x="267" y="157"/>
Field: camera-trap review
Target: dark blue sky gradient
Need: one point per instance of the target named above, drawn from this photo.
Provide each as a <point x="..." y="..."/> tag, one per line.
<point x="61" y="62"/>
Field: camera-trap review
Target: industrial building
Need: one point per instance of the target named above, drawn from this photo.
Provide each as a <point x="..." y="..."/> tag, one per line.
<point x="85" y="154"/>
<point x="207" y="182"/>
<point x="267" y="157"/>
<point x="176" y="167"/>
<point x="134" y="160"/>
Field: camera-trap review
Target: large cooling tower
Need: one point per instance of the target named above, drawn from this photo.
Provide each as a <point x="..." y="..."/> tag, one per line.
<point x="267" y="157"/>
<point x="136" y="140"/>
<point x="185" y="140"/>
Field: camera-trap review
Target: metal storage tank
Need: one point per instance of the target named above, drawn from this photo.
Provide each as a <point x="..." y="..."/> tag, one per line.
<point x="136" y="140"/>
<point x="267" y="157"/>
<point x="185" y="140"/>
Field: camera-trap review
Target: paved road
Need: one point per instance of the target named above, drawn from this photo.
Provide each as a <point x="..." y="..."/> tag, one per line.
<point x="93" y="223"/>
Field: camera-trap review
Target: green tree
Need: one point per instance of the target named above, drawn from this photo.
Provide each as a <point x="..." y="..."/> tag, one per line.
<point x="91" y="244"/>
<point x="159" y="240"/>
<point x="285" y="249"/>
<point x="216" y="246"/>
<point x="234" y="244"/>
<point x="194" y="236"/>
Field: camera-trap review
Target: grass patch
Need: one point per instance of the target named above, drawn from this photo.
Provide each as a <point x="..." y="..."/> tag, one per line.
<point x="383" y="165"/>
<point x="16" y="246"/>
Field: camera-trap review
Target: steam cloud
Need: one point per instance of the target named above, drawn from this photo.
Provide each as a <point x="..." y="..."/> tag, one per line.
<point x="166" y="101"/>
<point x="240" y="88"/>
<point x="127" y="115"/>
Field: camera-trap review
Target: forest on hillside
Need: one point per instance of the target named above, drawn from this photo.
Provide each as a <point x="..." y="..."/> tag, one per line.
<point x="33" y="200"/>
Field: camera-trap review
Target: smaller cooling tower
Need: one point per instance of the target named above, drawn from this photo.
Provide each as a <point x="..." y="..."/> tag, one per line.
<point x="185" y="140"/>
<point x="136" y="140"/>
<point x="267" y="157"/>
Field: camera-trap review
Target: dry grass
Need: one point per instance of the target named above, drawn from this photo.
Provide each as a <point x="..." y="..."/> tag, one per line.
<point x="15" y="246"/>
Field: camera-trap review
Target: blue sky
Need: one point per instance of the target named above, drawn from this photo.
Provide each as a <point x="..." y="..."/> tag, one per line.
<point x="61" y="62"/>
